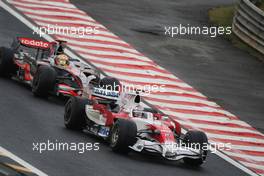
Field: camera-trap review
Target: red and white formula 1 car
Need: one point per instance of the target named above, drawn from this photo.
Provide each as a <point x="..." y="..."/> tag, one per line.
<point x="45" y="67"/>
<point x="120" y="119"/>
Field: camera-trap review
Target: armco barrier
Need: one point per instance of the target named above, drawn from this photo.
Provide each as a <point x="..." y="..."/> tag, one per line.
<point x="248" y="25"/>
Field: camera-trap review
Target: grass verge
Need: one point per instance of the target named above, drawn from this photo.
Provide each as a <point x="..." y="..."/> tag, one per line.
<point x="262" y="6"/>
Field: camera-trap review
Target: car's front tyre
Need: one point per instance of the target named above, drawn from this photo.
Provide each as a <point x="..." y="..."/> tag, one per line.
<point x="196" y="140"/>
<point x="123" y="134"/>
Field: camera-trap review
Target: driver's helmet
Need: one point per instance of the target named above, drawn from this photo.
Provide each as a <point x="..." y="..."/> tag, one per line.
<point x="60" y="50"/>
<point x="62" y="60"/>
<point x="137" y="113"/>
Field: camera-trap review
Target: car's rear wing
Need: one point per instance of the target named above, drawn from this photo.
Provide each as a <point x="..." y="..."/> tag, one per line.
<point x="106" y="94"/>
<point x="33" y="43"/>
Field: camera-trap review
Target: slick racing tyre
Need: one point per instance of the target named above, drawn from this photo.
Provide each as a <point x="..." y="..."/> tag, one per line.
<point x="74" y="115"/>
<point x="123" y="135"/>
<point x="195" y="139"/>
<point x="7" y="66"/>
<point x="110" y="83"/>
<point x="44" y="81"/>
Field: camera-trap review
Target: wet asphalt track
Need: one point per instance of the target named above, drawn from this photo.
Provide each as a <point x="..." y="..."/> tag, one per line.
<point x="225" y="74"/>
<point x="25" y="119"/>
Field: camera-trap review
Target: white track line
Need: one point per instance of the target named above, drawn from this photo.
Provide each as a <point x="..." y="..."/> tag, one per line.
<point x="235" y="163"/>
<point x="22" y="162"/>
<point x="31" y="26"/>
<point x="230" y="160"/>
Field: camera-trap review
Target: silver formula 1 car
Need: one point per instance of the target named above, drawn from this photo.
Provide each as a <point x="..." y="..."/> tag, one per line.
<point x="44" y="66"/>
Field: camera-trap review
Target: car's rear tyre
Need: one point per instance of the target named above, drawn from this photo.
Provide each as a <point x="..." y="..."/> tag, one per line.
<point x="110" y="83"/>
<point x="44" y="81"/>
<point x="74" y="115"/>
<point x="7" y="66"/>
<point x="194" y="139"/>
<point x="123" y="134"/>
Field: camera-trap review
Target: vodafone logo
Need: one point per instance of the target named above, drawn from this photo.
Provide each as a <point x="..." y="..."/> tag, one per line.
<point x="34" y="43"/>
